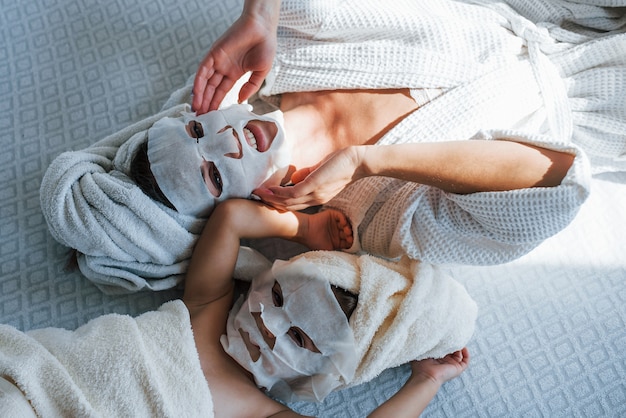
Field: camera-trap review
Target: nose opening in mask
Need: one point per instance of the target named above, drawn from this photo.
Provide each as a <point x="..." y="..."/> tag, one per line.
<point x="268" y="336"/>
<point x="253" y="350"/>
<point x="275" y="319"/>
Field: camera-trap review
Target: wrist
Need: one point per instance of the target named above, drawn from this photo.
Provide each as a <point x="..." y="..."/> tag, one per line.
<point x="364" y="161"/>
<point x="424" y="380"/>
<point x="266" y="11"/>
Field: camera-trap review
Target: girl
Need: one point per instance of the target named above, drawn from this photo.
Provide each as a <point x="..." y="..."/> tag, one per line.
<point x="295" y="336"/>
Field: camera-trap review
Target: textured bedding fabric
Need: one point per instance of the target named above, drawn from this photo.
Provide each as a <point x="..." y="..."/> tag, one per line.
<point x="551" y="326"/>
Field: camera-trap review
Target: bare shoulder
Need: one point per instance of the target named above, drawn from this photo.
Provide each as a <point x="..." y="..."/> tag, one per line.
<point x="236" y="395"/>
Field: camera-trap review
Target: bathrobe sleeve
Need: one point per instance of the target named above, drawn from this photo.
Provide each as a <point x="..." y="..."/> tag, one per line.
<point x="431" y="225"/>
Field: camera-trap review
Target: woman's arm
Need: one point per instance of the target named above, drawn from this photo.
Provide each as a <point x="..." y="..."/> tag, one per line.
<point x="467" y="166"/>
<point x="456" y="166"/>
<point x="426" y="378"/>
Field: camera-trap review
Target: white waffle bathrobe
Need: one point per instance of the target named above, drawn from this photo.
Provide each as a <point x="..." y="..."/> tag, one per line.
<point x="480" y="71"/>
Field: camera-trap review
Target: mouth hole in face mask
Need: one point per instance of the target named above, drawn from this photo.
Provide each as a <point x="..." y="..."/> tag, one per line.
<point x="263" y="134"/>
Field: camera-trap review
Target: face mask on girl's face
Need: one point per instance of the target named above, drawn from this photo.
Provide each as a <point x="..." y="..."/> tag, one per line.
<point x="291" y="329"/>
<point x="198" y="161"/>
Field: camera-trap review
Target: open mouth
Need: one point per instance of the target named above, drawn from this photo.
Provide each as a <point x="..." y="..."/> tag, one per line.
<point x="260" y="134"/>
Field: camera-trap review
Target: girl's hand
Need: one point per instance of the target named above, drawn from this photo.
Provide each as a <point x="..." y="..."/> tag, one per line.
<point x="318" y="184"/>
<point x="443" y="369"/>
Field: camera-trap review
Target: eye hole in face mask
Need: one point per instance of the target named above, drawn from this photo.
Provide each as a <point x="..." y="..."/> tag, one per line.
<point x="194" y="129"/>
<point x="277" y="295"/>
<point x="212" y="177"/>
<point x="302" y="340"/>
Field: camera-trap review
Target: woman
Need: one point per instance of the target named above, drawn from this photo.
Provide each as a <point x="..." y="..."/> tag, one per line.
<point x="585" y="96"/>
<point x="297" y="334"/>
<point x="464" y="202"/>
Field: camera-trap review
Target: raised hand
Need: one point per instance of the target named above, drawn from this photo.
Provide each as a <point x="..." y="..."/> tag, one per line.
<point x="249" y="45"/>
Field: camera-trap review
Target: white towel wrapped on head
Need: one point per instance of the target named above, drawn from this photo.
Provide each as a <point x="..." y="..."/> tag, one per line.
<point x="407" y="310"/>
<point x="126" y="241"/>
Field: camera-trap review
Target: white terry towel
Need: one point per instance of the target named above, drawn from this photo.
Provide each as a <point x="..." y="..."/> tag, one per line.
<point x="407" y="310"/>
<point x="126" y="241"/>
<point x="113" y="366"/>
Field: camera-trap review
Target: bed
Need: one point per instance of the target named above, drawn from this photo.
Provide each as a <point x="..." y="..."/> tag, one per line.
<point x="551" y="326"/>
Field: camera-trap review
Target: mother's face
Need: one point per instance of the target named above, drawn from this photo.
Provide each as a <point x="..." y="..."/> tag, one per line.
<point x="198" y="161"/>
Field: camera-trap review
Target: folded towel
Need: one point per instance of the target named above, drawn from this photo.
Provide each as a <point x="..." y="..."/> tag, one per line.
<point x="407" y="310"/>
<point x="114" y="366"/>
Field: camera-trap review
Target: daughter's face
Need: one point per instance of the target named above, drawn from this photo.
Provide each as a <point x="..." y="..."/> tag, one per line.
<point x="198" y="161"/>
<point x="289" y="328"/>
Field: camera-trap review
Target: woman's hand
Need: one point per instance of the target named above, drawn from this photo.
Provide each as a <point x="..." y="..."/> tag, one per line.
<point x="249" y="45"/>
<point x="318" y="184"/>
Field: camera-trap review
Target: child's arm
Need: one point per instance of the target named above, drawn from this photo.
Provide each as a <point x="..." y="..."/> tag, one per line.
<point x="209" y="292"/>
<point x="209" y="276"/>
<point x="426" y="378"/>
<point x="210" y="271"/>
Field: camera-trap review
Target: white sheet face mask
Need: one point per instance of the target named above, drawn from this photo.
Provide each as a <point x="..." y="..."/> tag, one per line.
<point x="198" y="161"/>
<point x="292" y="302"/>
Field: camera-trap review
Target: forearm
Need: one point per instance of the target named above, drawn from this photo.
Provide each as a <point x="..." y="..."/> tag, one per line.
<point x="468" y="166"/>
<point x="410" y="400"/>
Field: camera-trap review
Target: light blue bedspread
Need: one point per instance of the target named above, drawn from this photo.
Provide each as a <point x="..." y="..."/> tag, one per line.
<point x="551" y="329"/>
